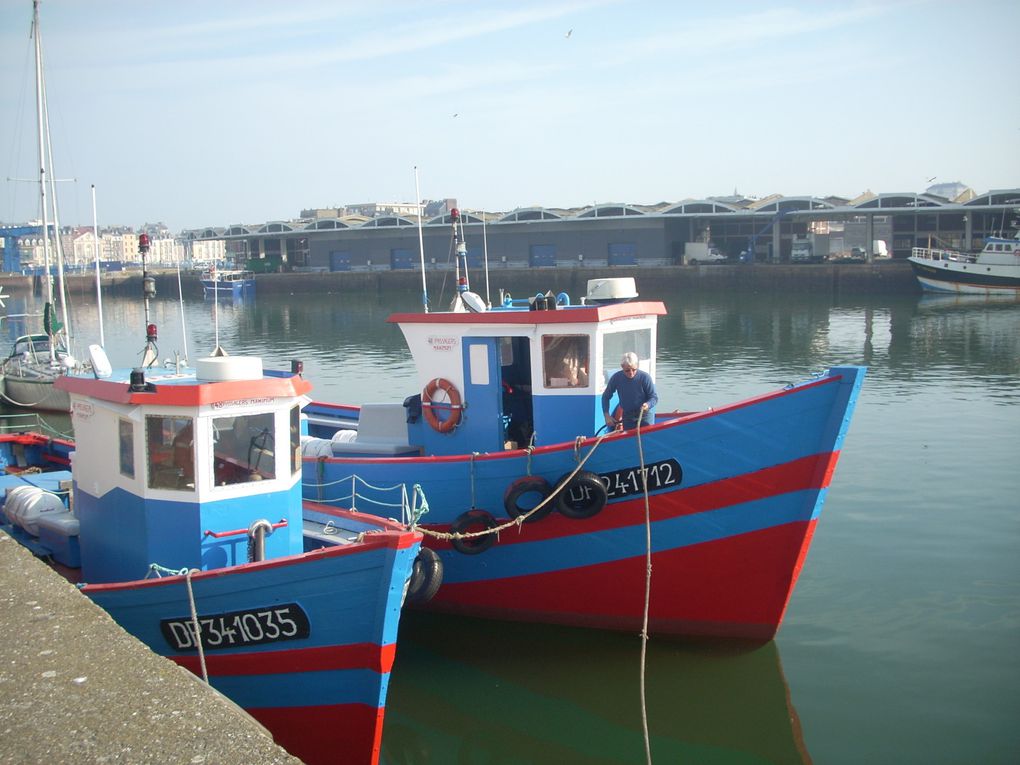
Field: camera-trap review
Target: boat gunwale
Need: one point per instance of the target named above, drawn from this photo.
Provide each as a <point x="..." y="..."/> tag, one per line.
<point x="665" y="424"/>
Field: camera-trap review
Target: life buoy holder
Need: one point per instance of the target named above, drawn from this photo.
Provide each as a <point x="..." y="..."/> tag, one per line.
<point x="473" y="521"/>
<point x="426" y="577"/>
<point x="528" y="485"/>
<point x="429" y="406"/>
<point x="584" y="497"/>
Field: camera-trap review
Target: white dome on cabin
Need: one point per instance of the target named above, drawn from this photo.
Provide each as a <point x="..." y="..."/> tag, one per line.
<point x="228" y="368"/>
<point x="616" y="290"/>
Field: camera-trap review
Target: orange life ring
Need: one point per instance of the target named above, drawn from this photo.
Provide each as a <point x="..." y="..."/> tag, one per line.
<point x="429" y="408"/>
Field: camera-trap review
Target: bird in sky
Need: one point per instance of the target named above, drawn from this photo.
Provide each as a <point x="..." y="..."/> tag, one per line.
<point x="569" y="32"/>
<point x="932" y="178"/>
<point x="456" y="113"/>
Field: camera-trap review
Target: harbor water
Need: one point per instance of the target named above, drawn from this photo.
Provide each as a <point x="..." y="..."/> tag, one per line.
<point x="901" y="643"/>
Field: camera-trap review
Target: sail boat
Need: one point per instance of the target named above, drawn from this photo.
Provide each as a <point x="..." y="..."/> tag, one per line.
<point x="37" y="359"/>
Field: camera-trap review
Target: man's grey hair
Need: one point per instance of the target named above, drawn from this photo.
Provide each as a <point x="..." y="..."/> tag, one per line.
<point x="630" y="359"/>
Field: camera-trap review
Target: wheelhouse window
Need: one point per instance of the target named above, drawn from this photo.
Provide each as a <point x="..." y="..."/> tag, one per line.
<point x="170" y="452"/>
<point x="295" y="440"/>
<point x="616" y="344"/>
<point x="243" y="449"/>
<point x="565" y="361"/>
<point x="126" y="433"/>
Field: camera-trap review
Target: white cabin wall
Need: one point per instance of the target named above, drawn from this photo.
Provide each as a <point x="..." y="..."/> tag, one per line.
<point x="97" y="446"/>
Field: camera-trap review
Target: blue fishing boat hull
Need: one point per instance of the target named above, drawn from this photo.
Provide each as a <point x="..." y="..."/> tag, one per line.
<point x="734" y="498"/>
<point x="305" y="643"/>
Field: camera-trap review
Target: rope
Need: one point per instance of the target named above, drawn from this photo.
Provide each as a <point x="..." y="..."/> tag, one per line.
<point x="473" y="455"/>
<point x="520" y="519"/>
<point x="160" y="571"/>
<point x="195" y="624"/>
<point x="648" y="593"/>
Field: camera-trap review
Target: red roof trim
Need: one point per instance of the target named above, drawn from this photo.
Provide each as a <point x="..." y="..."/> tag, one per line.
<point x="589" y="314"/>
<point x="188" y="394"/>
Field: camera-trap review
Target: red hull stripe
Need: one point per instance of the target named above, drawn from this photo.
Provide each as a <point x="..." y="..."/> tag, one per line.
<point x="736" y="587"/>
<point x="809" y="473"/>
<point x="343" y="733"/>
<point x="359" y="656"/>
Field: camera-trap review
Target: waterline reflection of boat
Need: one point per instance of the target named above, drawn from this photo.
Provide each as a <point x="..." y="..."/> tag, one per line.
<point x="994" y="271"/>
<point x="479" y="691"/>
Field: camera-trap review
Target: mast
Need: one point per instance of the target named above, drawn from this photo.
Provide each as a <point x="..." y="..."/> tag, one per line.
<point x="150" y="355"/>
<point x="41" y="124"/>
<point x="61" y="284"/>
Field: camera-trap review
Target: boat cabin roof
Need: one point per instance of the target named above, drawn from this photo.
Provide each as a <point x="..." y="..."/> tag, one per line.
<point x="580" y="314"/>
<point x="184" y="389"/>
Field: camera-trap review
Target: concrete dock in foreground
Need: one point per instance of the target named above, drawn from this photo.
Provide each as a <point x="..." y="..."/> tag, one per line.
<point x="75" y="687"/>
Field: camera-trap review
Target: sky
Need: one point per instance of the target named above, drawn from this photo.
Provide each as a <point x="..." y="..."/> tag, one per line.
<point x="214" y="112"/>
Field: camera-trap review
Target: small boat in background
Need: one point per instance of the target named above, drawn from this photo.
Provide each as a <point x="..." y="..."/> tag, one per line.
<point x="993" y="271"/>
<point x="178" y="510"/>
<point x="218" y="283"/>
<point x="38" y="358"/>
<point x="28" y="372"/>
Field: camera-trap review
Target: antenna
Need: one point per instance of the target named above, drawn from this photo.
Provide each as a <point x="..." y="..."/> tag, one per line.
<point x="421" y="242"/>
<point x="99" y="289"/>
<point x="218" y="350"/>
<point x="184" y="327"/>
<point x="485" y="255"/>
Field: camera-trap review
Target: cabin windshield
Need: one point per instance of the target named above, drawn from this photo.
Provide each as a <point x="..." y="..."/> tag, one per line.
<point x="295" y="440"/>
<point x="565" y="361"/>
<point x="170" y="452"/>
<point x="126" y="435"/>
<point x="615" y="344"/>
<point x="243" y="448"/>
<point x="34" y="345"/>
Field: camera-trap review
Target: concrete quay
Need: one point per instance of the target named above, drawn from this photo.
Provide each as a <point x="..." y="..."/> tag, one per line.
<point x="76" y="688"/>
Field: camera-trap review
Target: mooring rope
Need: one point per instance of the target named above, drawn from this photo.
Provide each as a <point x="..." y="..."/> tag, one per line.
<point x="195" y="624"/>
<point x="520" y="519"/>
<point x="648" y="593"/>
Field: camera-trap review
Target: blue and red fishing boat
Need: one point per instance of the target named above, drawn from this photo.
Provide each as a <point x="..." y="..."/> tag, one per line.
<point x="189" y="528"/>
<point x="509" y="425"/>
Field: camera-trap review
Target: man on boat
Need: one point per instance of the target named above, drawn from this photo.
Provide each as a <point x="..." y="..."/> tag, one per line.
<point x="636" y="392"/>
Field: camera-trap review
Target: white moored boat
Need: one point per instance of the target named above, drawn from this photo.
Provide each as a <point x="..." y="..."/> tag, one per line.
<point x="994" y="271"/>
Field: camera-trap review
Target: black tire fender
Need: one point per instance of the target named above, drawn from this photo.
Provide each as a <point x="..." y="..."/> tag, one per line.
<point x="426" y="577"/>
<point x="584" y="497"/>
<point x="473" y="521"/>
<point x="529" y="484"/>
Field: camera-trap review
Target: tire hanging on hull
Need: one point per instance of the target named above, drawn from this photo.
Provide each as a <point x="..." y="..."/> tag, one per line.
<point x="530" y="484"/>
<point x="470" y="522"/>
<point x="426" y="577"/>
<point x="584" y="497"/>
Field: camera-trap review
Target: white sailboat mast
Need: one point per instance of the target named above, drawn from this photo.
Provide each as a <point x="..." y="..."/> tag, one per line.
<point x="61" y="285"/>
<point x="41" y="123"/>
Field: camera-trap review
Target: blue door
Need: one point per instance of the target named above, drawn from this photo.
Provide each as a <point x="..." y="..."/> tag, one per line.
<point x="622" y="254"/>
<point x="482" y="422"/>
<point x="340" y="260"/>
<point x="401" y="259"/>
<point x="542" y="255"/>
<point x="475" y="258"/>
